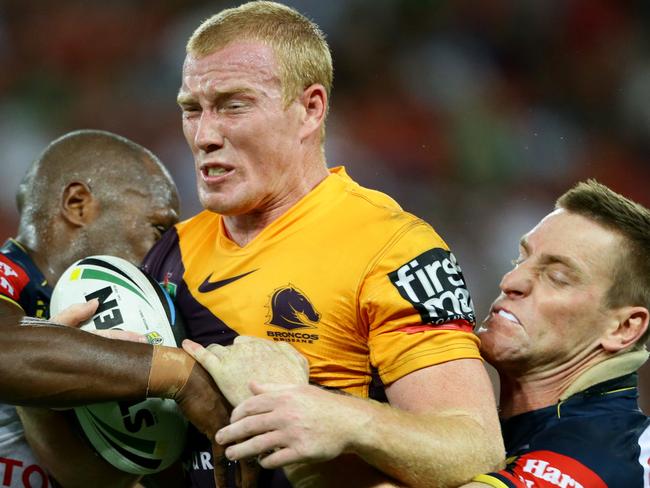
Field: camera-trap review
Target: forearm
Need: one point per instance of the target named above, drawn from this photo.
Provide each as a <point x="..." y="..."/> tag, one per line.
<point x="67" y="457"/>
<point x="437" y="450"/>
<point x="53" y="366"/>
<point x="60" y="367"/>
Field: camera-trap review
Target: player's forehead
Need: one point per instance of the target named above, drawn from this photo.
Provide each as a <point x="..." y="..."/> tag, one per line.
<point x="573" y="239"/>
<point x="243" y="65"/>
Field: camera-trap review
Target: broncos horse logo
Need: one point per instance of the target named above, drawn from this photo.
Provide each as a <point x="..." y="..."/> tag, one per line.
<point x="290" y="309"/>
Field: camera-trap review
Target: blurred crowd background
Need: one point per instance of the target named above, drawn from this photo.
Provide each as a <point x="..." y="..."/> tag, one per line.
<point x="475" y="115"/>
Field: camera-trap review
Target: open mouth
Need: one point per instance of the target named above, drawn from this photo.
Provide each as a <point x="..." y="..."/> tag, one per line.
<point x="507" y="315"/>
<point x="214" y="171"/>
<point x="210" y="171"/>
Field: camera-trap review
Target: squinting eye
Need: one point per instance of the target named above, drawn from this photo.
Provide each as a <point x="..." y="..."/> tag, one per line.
<point x="234" y="105"/>
<point x="160" y="229"/>
<point x="190" y="111"/>
<point x="558" y="277"/>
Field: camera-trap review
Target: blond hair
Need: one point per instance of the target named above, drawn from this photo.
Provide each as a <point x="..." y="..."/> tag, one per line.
<point x="631" y="276"/>
<point x="299" y="45"/>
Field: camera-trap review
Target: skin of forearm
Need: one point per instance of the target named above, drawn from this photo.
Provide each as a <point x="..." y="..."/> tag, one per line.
<point x="64" y="367"/>
<point x="426" y="450"/>
<point x="55" y="442"/>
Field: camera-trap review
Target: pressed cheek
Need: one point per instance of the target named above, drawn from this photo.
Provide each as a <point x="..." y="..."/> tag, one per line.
<point x="139" y="237"/>
<point x="564" y="319"/>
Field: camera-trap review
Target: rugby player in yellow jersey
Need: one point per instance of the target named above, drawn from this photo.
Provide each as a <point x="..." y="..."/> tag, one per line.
<point x="290" y="250"/>
<point x="287" y="249"/>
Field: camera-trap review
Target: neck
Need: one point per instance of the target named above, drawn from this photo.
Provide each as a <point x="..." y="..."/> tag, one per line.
<point x="535" y="389"/>
<point x="243" y="228"/>
<point x="40" y="259"/>
<point x="52" y="247"/>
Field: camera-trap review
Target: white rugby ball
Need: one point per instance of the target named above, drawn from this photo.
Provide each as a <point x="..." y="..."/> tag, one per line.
<point x="136" y="437"/>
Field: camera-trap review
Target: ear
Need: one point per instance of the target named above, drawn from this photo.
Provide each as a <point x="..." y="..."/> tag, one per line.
<point x="314" y="102"/>
<point x="632" y="324"/>
<point x="78" y="205"/>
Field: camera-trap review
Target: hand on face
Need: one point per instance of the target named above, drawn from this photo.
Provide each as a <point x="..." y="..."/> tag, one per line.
<point x="248" y="359"/>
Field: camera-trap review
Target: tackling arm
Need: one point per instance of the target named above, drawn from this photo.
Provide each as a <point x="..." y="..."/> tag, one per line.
<point x="64" y="367"/>
<point x="441" y="430"/>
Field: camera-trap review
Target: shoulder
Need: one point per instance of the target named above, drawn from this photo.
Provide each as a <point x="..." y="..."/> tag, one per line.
<point x="164" y="261"/>
<point x="375" y="214"/>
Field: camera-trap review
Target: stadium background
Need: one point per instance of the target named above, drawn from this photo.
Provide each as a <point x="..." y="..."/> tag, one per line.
<point x="473" y="115"/>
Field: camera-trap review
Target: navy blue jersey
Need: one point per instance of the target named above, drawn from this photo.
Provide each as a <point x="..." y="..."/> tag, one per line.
<point x="21" y="282"/>
<point x="597" y="438"/>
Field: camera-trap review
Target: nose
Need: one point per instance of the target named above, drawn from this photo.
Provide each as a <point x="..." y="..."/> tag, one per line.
<point x="208" y="135"/>
<point x="517" y="283"/>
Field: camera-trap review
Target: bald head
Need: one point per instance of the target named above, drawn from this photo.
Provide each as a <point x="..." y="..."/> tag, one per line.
<point x="86" y="190"/>
<point x="102" y="160"/>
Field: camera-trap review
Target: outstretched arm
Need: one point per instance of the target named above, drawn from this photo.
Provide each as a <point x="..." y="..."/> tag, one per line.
<point x="64" y="367"/>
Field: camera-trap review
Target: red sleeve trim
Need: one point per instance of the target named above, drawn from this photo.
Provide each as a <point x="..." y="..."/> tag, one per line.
<point x="461" y="325"/>
<point x="12" y="278"/>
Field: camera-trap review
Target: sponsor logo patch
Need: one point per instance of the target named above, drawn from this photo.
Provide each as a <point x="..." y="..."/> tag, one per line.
<point x="433" y="283"/>
<point x="551" y="469"/>
<point x="154" y="338"/>
<point x="290" y="310"/>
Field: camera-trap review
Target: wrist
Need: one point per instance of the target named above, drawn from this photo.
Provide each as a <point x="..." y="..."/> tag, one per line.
<point x="170" y="369"/>
<point x="362" y="425"/>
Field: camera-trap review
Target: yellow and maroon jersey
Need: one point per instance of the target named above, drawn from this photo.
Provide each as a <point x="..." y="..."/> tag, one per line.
<point x="367" y="292"/>
<point x="356" y="284"/>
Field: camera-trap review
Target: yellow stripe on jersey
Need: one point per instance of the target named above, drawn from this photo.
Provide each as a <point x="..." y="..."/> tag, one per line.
<point x="7" y="299"/>
<point x="489" y="480"/>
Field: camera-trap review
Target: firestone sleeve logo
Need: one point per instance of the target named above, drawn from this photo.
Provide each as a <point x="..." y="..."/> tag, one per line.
<point x="433" y="283"/>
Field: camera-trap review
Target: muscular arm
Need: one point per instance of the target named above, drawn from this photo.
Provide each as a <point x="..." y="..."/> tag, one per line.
<point x="444" y="430"/>
<point x="440" y="431"/>
<point x="55" y="444"/>
<point x="25" y="378"/>
<point x="62" y="367"/>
